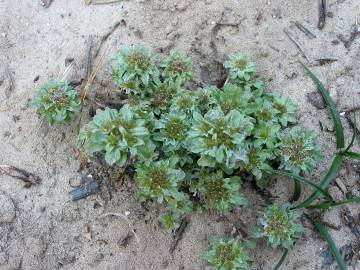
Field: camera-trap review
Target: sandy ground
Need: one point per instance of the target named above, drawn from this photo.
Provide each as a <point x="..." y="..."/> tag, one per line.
<point x="40" y="228"/>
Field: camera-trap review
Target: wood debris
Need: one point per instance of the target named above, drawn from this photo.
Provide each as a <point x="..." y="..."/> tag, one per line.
<point x="322" y="14"/>
<point x="179" y="234"/>
<point x="297" y="45"/>
<point x="101" y="2"/>
<point x="27" y="177"/>
<point x="303" y="29"/>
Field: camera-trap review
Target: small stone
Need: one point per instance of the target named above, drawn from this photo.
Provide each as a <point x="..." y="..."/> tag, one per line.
<point x="88" y="232"/>
<point x="7" y="209"/>
<point x="330" y="14"/>
<point x="316" y="100"/>
<point x="75" y="182"/>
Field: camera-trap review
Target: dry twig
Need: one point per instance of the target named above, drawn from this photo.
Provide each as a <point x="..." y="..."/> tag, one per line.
<point x="297" y="45"/>
<point x="106" y="36"/>
<point x="322" y="14"/>
<point x="27" y="177"/>
<point x="303" y="29"/>
<point x="179" y="234"/>
<point x="101" y="2"/>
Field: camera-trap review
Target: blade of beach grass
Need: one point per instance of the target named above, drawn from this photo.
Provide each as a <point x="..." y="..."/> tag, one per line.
<point x="306" y="181"/>
<point x="329" y="177"/>
<point x="327" y="205"/>
<point x="282" y="259"/>
<point x="327" y="237"/>
<point x="352" y="155"/>
<point x="339" y="130"/>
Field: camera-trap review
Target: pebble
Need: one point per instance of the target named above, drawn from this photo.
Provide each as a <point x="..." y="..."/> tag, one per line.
<point x="75" y="182"/>
<point x="316" y="100"/>
<point x="7" y="209"/>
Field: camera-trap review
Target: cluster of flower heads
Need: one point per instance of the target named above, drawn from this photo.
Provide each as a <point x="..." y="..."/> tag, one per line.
<point x="192" y="147"/>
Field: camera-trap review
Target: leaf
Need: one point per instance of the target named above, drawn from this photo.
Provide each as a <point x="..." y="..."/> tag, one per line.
<point x="327" y="204"/>
<point x="340" y="141"/>
<point x="330" y="175"/>
<point x="352" y="155"/>
<point x="353" y="136"/>
<point x="306" y="181"/>
<point x="281" y="260"/>
<point x="325" y="234"/>
<point x="297" y="190"/>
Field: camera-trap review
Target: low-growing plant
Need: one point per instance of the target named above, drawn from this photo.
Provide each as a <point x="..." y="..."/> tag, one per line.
<point x="298" y="151"/>
<point x="279" y="225"/>
<point x="135" y="70"/>
<point x="192" y="148"/>
<point x="56" y="101"/>
<point x="119" y="135"/>
<point x="228" y="254"/>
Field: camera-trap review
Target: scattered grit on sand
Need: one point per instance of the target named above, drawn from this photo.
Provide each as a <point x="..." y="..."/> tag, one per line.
<point x="41" y="229"/>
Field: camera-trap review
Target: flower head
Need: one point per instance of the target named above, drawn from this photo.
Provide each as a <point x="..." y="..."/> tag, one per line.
<point x="299" y="151"/>
<point x="135" y="70"/>
<point x="177" y="68"/>
<point x="286" y="109"/>
<point x="278" y="225"/>
<point x="266" y="134"/>
<point x="240" y="67"/>
<point x="184" y="102"/>
<point x="232" y="97"/>
<point x="257" y="161"/>
<point x="56" y="101"/>
<point x="117" y="133"/>
<point x="219" y="138"/>
<point x="158" y="180"/>
<point x="162" y="96"/>
<point x="172" y="131"/>
<point x="228" y="254"/>
<point x="218" y="192"/>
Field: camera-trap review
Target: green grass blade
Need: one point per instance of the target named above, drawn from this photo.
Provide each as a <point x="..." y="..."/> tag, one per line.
<point x="327" y="205"/>
<point x="329" y="177"/>
<point x="306" y="181"/>
<point x="325" y="234"/>
<point x="277" y="267"/>
<point x="353" y="136"/>
<point x="352" y="155"/>
<point x="340" y="141"/>
<point x="297" y="190"/>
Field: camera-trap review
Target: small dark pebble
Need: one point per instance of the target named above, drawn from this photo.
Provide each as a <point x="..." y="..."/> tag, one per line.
<point x="316" y="100"/>
<point x="36" y="78"/>
<point x="330" y="14"/>
<point x="68" y="61"/>
<point x="75" y="83"/>
<point x="335" y="42"/>
<point x="16" y="118"/>
<point x="7" y="134"/>
<point x="347" y="252"/>
<point x="328" y="258"/>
